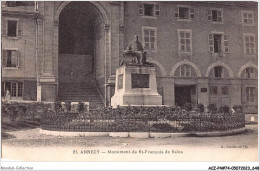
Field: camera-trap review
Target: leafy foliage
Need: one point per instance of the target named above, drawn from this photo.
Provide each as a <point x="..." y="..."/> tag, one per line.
<point x="212" y="108"/>
<point x="201" y="108"/>
<point x="223" y="109"/>
<point x="238" y="108"/>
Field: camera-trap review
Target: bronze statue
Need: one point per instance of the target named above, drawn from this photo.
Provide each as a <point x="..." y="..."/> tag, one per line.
<point x="136" y="51"/>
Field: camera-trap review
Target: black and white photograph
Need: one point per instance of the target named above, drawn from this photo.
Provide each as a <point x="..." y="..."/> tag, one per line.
<point x="129" y="81"/>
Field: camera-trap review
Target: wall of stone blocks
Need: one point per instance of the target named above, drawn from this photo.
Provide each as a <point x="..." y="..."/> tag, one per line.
<point x="30" y="90"/>
<point x="25" y="46"/>
<point x="167" y="33"/>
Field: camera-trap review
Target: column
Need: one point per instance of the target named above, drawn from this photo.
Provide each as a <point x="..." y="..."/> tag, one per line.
<point x="47" y="79"/>
<point x="203" y="91"/>
<point x="235" y="92"/>
<point x="168" y="91"/>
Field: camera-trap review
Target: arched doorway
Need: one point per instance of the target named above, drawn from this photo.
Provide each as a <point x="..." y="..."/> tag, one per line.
<point x="81" y="51"/>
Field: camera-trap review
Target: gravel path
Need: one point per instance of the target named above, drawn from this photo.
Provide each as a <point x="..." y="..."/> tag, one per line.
<point x="31" y="142"/>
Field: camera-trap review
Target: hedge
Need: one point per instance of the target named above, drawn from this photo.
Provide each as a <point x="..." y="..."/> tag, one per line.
<point x="141" y="119"/>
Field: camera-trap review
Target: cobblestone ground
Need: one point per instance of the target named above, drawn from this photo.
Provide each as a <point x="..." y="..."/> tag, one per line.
<point x="30" y="145"/>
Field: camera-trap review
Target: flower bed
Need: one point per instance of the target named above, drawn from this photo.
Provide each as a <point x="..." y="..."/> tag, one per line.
<point x="25" y="110"/>
<point x="140" y="119"/>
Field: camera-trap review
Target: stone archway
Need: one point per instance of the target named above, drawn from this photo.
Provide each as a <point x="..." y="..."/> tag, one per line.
<point x="159" y="65"/>
<point x="249" y="64"/>
<point x="219" y="63"/>
<point x="185" y="62"/>
<point x="82" y="45"/>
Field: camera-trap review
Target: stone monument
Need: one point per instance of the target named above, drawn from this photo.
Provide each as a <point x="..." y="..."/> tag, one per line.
<point x="135" y="79"/>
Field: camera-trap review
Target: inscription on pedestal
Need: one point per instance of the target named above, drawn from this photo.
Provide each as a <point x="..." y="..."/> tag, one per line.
<point x="140" y="80"/>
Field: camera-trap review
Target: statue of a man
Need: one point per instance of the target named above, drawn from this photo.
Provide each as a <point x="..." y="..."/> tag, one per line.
<point x="137" y="51"/>
<point x="135" y="45"/>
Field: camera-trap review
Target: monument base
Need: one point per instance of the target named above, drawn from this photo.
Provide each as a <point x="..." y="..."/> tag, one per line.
<point x="136" y="85"/>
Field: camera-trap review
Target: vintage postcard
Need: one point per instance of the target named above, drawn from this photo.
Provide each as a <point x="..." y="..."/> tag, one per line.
<point x="129" y="81"/>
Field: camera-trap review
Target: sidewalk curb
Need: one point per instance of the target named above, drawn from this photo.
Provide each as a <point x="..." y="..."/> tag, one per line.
<point x="143" y="134"/>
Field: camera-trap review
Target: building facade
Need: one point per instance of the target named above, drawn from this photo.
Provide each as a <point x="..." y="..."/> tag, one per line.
<point x="204" y="52"/>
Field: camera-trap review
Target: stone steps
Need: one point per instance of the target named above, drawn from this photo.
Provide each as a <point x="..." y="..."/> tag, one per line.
<point x="85" y="92"/>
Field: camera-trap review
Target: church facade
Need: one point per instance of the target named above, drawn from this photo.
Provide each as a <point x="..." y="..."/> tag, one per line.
<point x="204" y="52"/>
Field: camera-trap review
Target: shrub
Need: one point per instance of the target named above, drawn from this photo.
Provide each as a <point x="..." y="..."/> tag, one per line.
<point x="238" y="108"/>
<point x="80" y="107"/>
<point x="187" y="107"/>
<point x="68" y="106"/>
<point x="212" y="108"/>
<point x="223" y="109"/>
<point x="57" y="106"/>
<point x="201" y="108"/>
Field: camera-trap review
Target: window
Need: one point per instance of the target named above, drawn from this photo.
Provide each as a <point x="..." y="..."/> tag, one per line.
<point x="149" y="38"/>
<point x="218" y="43"/>
<point x="213" y="90"/>
<point x="148" y="9"/>
<point x="185" y="40"/>
<point x="251" y="94"/>
<point x="218" y="72"/>
<point x="184" y="13"/>
<point x="215" y="15"/>
<point x="250" y="72"/>
<point x="10" y="58"/>
<point x="11" y="28"/>
<point x="15" y="88"/>
<point x="249" y="44"/>
<point x="224" y="90"/>
<point x="185" y="71"/>
<point x="20" y="89"/>
<point x="247" y="18"/>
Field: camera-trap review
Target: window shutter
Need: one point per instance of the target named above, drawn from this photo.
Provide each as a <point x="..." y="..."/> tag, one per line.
<point x="226" y="49"/>
<point x="210" y="15"/>
<point x="4" y="27"/>
<point x="19" y="29"/>
<point x="14" y="58"/>
<point x="141" y="8"/>
<point x="176" y="12"/>
<point x="192" y="13"/>
<point x="219" y="16"/>
<point x="4" y="58"/>
<point x="157" y="9"/>
<point x="211" y="43"/>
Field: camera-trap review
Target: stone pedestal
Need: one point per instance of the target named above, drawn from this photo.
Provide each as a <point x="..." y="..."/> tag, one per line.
<point x="136" y="85"/>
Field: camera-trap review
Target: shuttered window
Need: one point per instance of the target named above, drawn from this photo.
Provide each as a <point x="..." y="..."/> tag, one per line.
<point x="11" y="28"/>
<point x="148" y="9"/>
<point x="184" y="13"/>
<point x="218" y="43"/>
<point x="10" y="58"/>
<point x="215" y="15"/>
